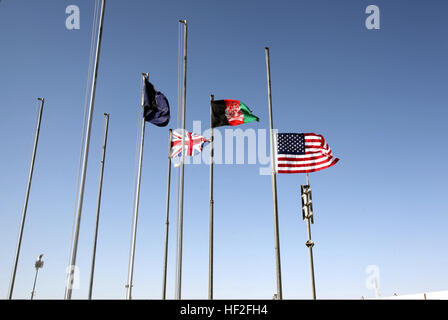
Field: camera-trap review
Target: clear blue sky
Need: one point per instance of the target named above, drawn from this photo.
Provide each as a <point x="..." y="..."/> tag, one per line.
<point x="379" y="97"/>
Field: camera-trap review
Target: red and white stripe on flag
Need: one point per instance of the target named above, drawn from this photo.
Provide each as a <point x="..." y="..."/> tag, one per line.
<point x="302" y="153"/>
<point x="193" y="144"/>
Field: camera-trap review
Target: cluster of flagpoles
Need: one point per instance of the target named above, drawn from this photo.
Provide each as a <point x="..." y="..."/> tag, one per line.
<point x="69" y="285"/>
<point x="178" y="291"/>
<point x="79" y="205"/>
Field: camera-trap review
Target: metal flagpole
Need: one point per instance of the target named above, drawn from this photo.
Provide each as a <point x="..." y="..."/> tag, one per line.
<point x="34" y="284"/>
<point x="210" y="252"/>
<point x="181" y="191"/>
<point x="274" y="182"/>
<point x="137" y="199"/>
<point x="165" y="258"/>
<point x="38" y="265"/>
<point x="310" y="243"/>
<point x="69" y="284"/>
<point x="100" y="187"/>
<point x="27" y="195"/>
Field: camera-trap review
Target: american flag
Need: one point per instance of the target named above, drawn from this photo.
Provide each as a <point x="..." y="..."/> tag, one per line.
<point x="193" y="144"/>
<point x="302" y="152"/>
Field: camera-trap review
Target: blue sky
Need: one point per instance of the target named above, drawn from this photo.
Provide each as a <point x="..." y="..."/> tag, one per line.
<point x="378" y="96"/>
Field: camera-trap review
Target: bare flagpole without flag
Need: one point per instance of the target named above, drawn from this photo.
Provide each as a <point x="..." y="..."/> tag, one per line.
<point x="39" y="264"/>
<point x="69" y="284"/>
<point x="211" y="218"/>
<point x="27" y="195"/>
<point x="98" y="206"/>
<point x="274" y="182"/>
<point x="145" y="76"/>
<point x="182" y="165"/>
<point x="167" y="222"/>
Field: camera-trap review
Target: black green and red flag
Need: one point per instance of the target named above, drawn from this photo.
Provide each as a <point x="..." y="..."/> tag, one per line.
<point x="229" y="112"/>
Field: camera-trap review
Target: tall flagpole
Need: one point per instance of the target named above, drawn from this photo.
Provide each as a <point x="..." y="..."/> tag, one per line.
<point x="38" y="265"/>
<point x="137" y="199"/>
<point x="210" y="252"/>
<point x="167" y="222"/>
<point x="27" y="195"/>
<point x="310" y="243"/>
<point x="274" y="182"/>
<point x="181" y="191"/>
<point x="69" y="284"/>
<point x="98" y="206"/>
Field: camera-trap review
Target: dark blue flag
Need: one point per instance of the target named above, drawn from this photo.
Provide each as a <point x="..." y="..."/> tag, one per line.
<point x="156" y="108"/>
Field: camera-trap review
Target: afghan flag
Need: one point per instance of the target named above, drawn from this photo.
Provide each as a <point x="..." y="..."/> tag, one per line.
<point x="230" y="113"/>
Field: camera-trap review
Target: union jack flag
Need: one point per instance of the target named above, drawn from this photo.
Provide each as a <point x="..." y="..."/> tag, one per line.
<point x="193" y="144"/>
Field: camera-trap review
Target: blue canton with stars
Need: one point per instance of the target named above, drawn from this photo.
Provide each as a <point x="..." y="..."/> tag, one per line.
<point x="291" y="143"/>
